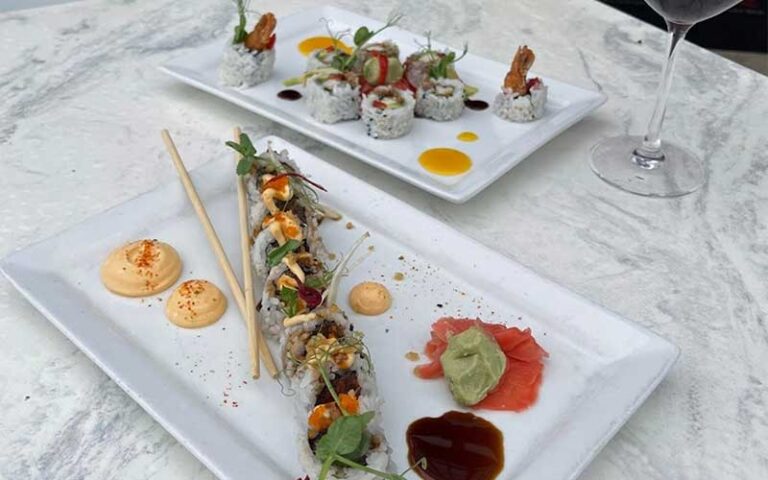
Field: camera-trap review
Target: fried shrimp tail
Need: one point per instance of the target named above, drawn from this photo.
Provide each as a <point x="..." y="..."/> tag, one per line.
<point x="515" y="79"/>
<point x="261" y="36"/>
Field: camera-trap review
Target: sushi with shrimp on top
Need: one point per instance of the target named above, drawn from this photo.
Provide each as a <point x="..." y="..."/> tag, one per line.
<point x="250" y="58"/>
<point x="521" y="99"/>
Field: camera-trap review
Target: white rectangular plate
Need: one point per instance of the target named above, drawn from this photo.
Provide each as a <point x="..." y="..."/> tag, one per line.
<point x="502" y="144"/>
<point x="195" y="382"/>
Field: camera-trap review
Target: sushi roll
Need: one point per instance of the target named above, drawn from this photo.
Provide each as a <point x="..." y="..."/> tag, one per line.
<point x="441" y="100"/>
<point x="325" y="359"/>
<point x="521" y="99"/>
<point x="387" y="112"/>
<point x="385" y="49"/>
<point x="333" y="96"/>
<point x="440" y="93"/>
<point x="250" y="58"/>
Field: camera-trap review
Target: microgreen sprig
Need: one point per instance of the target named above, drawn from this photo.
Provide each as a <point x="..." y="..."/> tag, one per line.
<point x="361" y="37"/>
<point x="276" y="255"/>
<point x="249" y="160"/>
<point x="240" y="31"/>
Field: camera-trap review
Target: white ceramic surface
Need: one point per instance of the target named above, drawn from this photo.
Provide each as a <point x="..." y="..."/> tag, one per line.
<point x="501" y="146"/>
<point x="195" y="382"/>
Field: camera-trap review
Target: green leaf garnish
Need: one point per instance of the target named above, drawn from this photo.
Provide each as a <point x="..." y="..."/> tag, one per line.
<point x="240" y="31"/>
<point x="362" y="35"/>
<point x="276" y="255"/>
<point x="290" y="299"/>
<point x="441" y="68"/>
<point x="320" y="280"/>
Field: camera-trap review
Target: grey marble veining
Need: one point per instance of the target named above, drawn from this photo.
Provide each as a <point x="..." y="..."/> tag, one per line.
<point x="82" y="104"/>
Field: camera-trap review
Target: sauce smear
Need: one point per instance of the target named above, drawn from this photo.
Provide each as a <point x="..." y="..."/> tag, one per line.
<point x="475" y="104"/>
<point x="289" y="94"/>
<point x="311" y="44"/>
<point x="468" y="137"/>
<point x="445" y="161"/>
<point x="457" y="446"/>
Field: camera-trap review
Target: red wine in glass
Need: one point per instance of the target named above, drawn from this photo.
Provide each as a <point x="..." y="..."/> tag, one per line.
<point x="643" y="165"/>
<point x="689" y="12"/>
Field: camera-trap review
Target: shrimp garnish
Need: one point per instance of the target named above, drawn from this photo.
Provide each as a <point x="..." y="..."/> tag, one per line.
<point x="259" y="38"/>
<point x="515" y="78"/>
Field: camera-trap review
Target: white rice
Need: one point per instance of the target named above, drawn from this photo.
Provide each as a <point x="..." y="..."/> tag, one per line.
<point x="429" y="104"/>
<point x="387" y="123"/>
<point x="332" y="101"/>
<point x="521" y="108"/>
<point x="241" y="67"/>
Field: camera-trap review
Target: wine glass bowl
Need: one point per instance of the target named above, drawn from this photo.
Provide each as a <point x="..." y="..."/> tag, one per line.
<point x="645" y="165"/>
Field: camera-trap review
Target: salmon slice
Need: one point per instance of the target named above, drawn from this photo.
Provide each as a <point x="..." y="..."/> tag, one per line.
<point x="518" y="386"/>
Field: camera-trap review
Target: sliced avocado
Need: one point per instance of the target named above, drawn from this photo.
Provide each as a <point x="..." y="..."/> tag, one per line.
<point x="371" y="70"/>
<point x="395" y="70"/>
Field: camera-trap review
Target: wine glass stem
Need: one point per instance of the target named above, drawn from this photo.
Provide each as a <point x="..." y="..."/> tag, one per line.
<point x="649" y="155"/>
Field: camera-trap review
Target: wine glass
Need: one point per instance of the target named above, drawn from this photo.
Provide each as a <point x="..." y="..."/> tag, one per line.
<point x="643" y="165"/>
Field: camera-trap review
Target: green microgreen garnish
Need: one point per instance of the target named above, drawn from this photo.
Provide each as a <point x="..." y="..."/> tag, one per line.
<point x="240" y="31"/>
<point x="266" y="163"/>
<point x="276" y="255"/>
<point x="290" y="299"/>
<point x="320" y="280"/>
<point x="347" y="441"/>
<point x="362" y="36"/>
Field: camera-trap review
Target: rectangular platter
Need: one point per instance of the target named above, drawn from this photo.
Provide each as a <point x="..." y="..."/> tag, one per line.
<point x="501" y="146"/>
<point x="196" y="383"/>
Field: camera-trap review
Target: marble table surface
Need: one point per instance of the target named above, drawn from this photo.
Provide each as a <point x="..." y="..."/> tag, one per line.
<point x="82" y="104"/>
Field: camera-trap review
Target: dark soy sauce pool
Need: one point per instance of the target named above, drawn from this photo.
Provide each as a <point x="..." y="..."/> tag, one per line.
<point x="457" y="446"/>
<point x="475" y="104"/>
<point x="289" y="94"/>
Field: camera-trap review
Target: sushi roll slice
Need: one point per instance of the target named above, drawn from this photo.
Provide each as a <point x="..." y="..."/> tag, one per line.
<point x="440" y="93"/>
<point x="250" y="58"/>
<point x="387" y="112"/>
<point x="521" y="99"/>
<point x="333" y="96"/>
<point x="441" y="100"/>
<point x="325" y="359"/>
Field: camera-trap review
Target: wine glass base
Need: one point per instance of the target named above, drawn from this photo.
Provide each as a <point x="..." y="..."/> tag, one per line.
<point x="681" y="172"/>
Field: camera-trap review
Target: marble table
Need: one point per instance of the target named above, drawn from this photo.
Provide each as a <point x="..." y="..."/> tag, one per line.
<point x="82" y="104"/>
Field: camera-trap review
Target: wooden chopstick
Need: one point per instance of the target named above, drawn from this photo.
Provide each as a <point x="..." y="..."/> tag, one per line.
<point x="215" y="243"/>
<point x="245" y="250"/>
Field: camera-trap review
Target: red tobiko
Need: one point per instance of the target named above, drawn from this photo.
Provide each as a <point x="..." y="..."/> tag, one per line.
<point x="532" y="82"/>
<point x="311" y="296"/>
<point x="271" y="42"/>
<point x="273" y="180"/>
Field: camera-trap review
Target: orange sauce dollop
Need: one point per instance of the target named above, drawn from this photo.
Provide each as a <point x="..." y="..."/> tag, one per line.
<point x="468" y="137"/>
<point x="445" y="161"/>
<point x="311" y="44"/>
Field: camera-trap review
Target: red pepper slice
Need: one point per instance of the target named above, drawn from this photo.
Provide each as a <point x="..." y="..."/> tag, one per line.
<point x="271" y="42"/>
<point x="383" y="67"/>
<point x="293" y="174"/>
<point x="404" y="84"/>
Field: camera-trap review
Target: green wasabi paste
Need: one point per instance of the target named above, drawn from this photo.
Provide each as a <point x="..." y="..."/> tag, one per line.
<point x="473" y="364"/>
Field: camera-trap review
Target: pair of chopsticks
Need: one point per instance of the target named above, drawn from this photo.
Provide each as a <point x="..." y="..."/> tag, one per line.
<point x="258" y="347"/>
